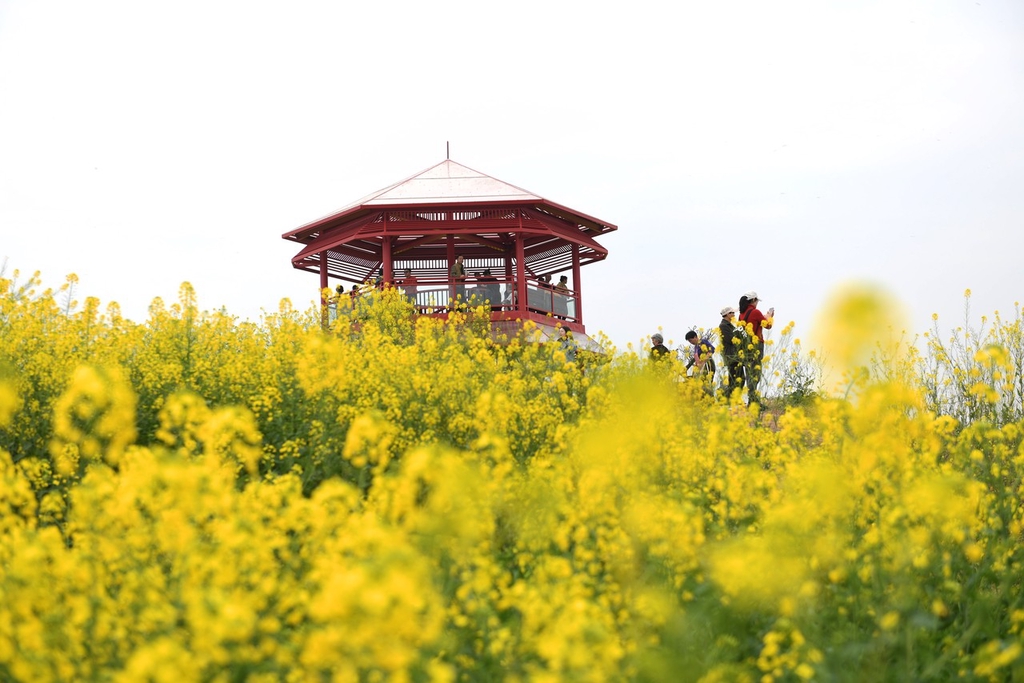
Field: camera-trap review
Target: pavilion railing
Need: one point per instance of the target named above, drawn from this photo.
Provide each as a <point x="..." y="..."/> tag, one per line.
<point x="431" y="297"/>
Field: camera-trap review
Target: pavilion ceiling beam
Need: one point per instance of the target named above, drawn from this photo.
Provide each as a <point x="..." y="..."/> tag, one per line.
<point x="549" y="230"/>
<point x="560" y="259"/>
<point x="340" y="229"/>
<point x="333" y="239"/>
<point x="536" y="213"/>
<point x="406" y="246"/>
<point x="546" y="242"/>
<point x="362" y="250"/>
<point x="570" y="235"/>
<point x="428" y="239"/>
<point x="446" y="228"/>
<point x="539" y="252"/>
<point x="493" y="244"/>
<point x="327" y="223"/>
<point x="359" y="240"/>
<point x="341" y="251"/>
<point x="578" y="222"/>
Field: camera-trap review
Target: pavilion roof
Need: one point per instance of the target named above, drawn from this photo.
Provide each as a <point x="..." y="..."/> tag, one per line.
<point x="447" y="206"/>
<point x="446" y="184"/>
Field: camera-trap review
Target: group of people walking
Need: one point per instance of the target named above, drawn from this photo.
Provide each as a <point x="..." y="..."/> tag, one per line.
<point x="742" y="352"/>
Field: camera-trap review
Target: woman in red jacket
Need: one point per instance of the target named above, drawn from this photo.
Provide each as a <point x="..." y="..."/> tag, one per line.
<point x="757" y="322"/>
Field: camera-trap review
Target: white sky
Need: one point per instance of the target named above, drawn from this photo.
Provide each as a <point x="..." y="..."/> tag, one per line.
<point x="785" y="147"/>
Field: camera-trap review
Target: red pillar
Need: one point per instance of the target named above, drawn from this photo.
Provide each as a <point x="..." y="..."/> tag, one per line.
<point x="323" y="276"/>
<point x="576" y="282"/>
<point x="325" y="318"/>
<point x="386" y="258"/>
<point x="448" y="274"/>
<point x="520" y="274"/>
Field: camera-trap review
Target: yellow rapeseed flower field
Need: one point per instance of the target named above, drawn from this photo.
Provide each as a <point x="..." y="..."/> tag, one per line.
<point x="194" y="498"/>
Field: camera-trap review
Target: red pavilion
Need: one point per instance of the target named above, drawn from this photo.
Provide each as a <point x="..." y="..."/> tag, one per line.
<point x="521" y="253"/>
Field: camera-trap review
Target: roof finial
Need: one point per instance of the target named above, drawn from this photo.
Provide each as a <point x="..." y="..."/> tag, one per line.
<point x="447" y="150"/>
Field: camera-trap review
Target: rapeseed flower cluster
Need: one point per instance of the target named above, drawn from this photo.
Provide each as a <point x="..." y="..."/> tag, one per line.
<point x="397" y="498"/>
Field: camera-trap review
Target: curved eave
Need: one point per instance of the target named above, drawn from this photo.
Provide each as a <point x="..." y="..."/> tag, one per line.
<point x="311" y="231"/>
<point x="311" y="264"/>
<point x="358" y="228"/>
<point x="565" y="213"/>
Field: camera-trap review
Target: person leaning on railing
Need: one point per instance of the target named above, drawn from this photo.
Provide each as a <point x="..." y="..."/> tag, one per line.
<point x="409" y="286"/>
<point x="491" y="288"/>
<point x="561" y="297"/>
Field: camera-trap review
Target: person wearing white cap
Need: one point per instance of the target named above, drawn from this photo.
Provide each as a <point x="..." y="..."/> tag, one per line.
<point x="730" y="355"/>
<point x="757" y="322"/>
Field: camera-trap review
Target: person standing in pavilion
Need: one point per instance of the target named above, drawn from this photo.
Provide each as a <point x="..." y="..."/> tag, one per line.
<point x="562" y="297"/>
<point x="491" y="288"/>
<point x="409" y="286"/>
<point x="457" y="274"/>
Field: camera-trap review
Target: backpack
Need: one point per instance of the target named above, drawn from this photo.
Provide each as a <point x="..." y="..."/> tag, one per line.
<point x="706" y="339"/>
<point x="740" y="336"/>
<point x="745" y="319"/>
<point x="704" y="347"/>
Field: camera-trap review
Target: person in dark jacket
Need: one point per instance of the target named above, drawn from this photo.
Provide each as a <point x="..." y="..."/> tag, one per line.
<point x="730" y="354"/>
<point x="457" y="277"/>
<point x="658" y="349"/>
